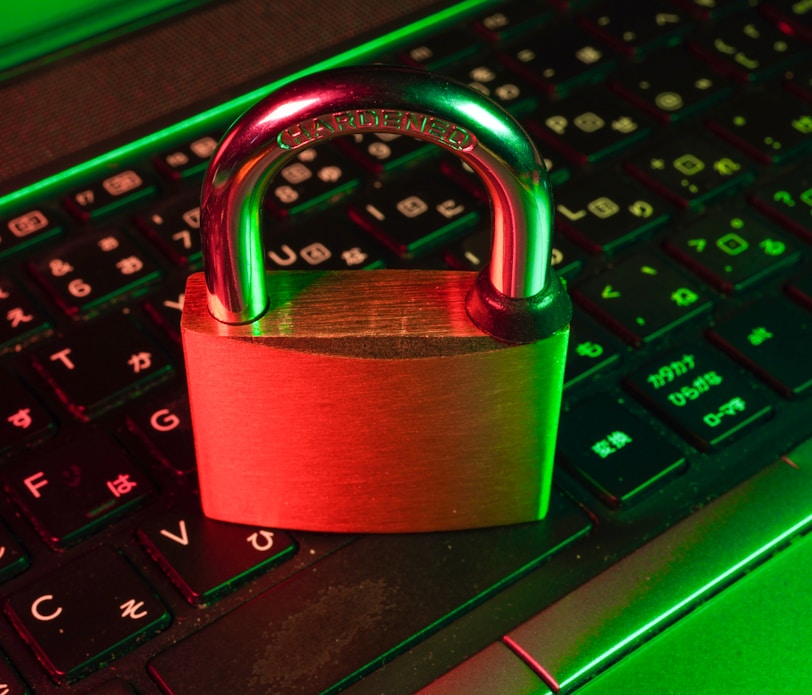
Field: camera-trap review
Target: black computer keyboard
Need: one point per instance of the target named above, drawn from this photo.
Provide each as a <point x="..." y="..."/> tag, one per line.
<point x="676" y="135"/>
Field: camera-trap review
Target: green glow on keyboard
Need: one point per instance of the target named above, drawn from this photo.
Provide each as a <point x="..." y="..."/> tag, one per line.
<point x="233" y="108"/>
<point x="674" y="610"/>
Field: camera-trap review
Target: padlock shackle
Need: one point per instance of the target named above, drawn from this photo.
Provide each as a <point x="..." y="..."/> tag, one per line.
<point x="397" y="100"/>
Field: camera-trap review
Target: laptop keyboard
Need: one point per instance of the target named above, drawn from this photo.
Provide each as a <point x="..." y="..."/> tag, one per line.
<point x="675" y="135"/>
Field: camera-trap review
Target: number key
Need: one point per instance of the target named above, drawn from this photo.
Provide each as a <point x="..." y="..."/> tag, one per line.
<point x="91" y="271"/>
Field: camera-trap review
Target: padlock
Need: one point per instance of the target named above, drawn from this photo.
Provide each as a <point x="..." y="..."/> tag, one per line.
<point x="383" y="400"/>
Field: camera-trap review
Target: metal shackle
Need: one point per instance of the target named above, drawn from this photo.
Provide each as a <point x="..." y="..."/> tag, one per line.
<point x="516" y="297"/>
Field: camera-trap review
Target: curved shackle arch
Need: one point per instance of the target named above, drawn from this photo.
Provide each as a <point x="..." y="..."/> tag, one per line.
<point x="405" y="101"/>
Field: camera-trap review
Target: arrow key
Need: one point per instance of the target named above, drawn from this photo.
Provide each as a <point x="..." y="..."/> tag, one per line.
<point x="207" y="559"/>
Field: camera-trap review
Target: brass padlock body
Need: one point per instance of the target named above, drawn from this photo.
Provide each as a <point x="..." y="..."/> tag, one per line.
<point x="368" y="401"/>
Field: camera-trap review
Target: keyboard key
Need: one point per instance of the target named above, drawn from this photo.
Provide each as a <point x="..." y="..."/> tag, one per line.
<point x="590" y="126"/>
<point x="493" y="79"/>
<point x="365" y="611"/>
<point x="207" y="559"/>
<point x="24" y="319"/>
<point x="329" y="241"/>
<point x="560" y="58"/>
<point x="416" y="216"/>
<point x="24" y="421"/>
<point x="166" y="304"/>
<point x="510" y="19"/>
<point x="314" y="176"/>
<point x="111" y="194"/>
<point x="749" y="48"/>
<point x="788" y="199"/>
<point x="101" y="364"/>
<point x="174" y="226"/>
<point x="642" y="298"/>
<point x="74" y="629"/>
<point x="671" y="94"/>
<point x="608" y="212"/>
<point x="620" y="457"/>
<point x="772" y="339"/>
<point x="634" y="30"/>
<point x="10" y="681"/>
<point x="705" y="398"/>
<point x="188" y="159"/>
<point x="591" y="349"/>
<point x="164" y="423"/>
<point x="26" y="229"/>
<point x="70" y="491"/>
<point x="473" y="252"/>
<point x="13" y="560"/>
<point x="771" y="127"/>
<point x="732" y="250"/>
<point x="441" y="49"/>
<point x="380" y="152"/>
<point x="691" y="171"/>
<point x="94" y="270"/>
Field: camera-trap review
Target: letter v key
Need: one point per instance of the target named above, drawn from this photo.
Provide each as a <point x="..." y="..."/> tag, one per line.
<point x="183" y="538"/>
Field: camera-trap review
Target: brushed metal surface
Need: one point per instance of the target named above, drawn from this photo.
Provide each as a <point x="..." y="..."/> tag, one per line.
<point x="327" y="415"/>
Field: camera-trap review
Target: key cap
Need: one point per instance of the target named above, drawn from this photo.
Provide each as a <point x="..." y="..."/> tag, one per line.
<point x="691" y="171"/>
<point x="100" y="365"/>
<point x="188" y="159"/>
<point x="642" y="298"/>
<point x="772" y="127"/>
<point x="24" y="320"/>
<point x="788" y="199"/>
<point x="590" y="126"/>
<point x="315" y="176"/>
<point x="163" y="422"/>
<point x="91" y="271"/>
<point x="27" y="228"/>
<point x="510" y="19"/>
<point x="704" y="397"/>
<point x="174" y="226"/>
<point x="166" y="304"/>
<point x="74" y="629"/>
<point x="560" y="58"/>
<point x="70" y="491"/>
<point x="24" y="421"/>
<point x="208" y="559"/>
<point x="634" y="30"/>
<point x="474" y="250"/>
<point x="13" y="560"/>
<point x="732" y="250"/>
<point x="380" y="152"/>
<point x="393" y="601"/>
<point x="441" y="49"/>
<point x="772" y="339"/>
<point x="591" y="349"/>
<point x="609" y="212"/>
<point x="10" y="681"/>
<point x="748" y="48"/>
<point x="493" y="79"/>
<point x="111" y="194"/>
<point x="412" y="218"/>
<point x="329" y="241"/>
<point x="620" y="457"/>
<point x="671" y="94"/>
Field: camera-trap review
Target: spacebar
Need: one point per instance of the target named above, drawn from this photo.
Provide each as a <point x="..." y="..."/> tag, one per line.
<point x="347" y="613"/>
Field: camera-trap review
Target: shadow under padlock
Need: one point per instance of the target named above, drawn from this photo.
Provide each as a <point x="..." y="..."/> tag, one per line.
<point x="382" y="401"/>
